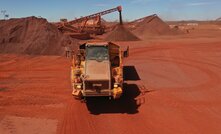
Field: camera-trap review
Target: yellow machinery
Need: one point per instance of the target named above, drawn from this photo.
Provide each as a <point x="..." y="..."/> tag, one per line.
<point x="97" y="70"/>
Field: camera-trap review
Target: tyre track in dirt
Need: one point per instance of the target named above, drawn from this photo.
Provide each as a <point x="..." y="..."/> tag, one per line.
<point x="75" y="119"/>
<point x="177" y="59"/>
<point x="182" y="96"/>
<point x="197" y="103"/>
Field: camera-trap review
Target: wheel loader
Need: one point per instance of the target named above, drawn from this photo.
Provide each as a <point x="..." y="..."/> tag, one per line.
<point x="97" y="70"/>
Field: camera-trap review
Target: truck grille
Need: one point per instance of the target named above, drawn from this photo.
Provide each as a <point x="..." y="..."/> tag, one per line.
<point x="96" y="85"/>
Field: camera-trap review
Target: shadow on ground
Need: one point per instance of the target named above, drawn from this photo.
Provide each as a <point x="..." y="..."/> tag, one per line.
<point x="126" y="104"/>
<point x="130" y="73"/>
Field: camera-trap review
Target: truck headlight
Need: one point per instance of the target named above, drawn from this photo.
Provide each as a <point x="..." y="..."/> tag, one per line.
<point x="78" y="86"/>
<point x="116" y="85"/>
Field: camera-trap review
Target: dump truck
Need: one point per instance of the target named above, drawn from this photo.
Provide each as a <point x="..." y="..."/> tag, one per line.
<point x="97" y="70"/>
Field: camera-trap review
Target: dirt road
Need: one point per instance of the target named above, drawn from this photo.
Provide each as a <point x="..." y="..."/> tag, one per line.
<point x="173" y="86"/>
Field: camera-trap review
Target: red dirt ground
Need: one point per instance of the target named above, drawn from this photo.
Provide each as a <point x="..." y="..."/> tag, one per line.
<point x="182" y="76"/>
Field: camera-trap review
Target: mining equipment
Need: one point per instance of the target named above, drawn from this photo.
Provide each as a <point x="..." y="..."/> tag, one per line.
<point x="97" y="70"/>
<point x="83" y="27"/>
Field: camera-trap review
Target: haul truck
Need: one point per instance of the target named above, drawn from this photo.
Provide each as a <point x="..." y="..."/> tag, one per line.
<point x="97" y="70"/>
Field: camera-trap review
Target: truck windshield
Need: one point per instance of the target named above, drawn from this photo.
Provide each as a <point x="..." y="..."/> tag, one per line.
<point x="99" y="53"/>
